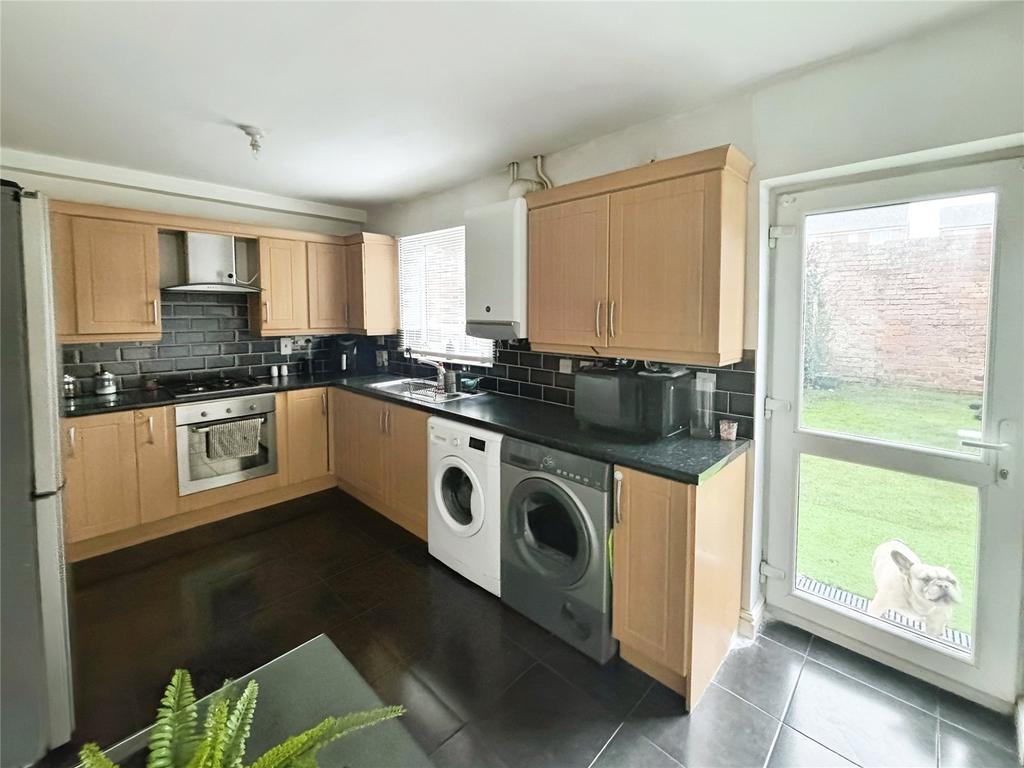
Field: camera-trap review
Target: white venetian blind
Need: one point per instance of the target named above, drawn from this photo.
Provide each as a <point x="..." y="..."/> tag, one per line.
<point x="432" y="291"/>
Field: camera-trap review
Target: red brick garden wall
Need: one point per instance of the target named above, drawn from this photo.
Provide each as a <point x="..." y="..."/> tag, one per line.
<point x="902" y="312"/>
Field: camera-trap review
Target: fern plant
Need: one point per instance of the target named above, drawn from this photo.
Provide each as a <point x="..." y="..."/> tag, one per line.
<point x="177" y="741"/>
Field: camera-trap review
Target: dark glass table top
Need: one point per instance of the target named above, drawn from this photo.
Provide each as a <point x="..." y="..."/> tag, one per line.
<point x="297" y="691"/>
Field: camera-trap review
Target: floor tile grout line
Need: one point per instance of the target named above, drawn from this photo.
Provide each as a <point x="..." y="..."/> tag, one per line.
<point x="781" y="645"/>
<point x="975" y="734"/>
<point x="588" y="694"/>
<point x="785" y="711"/>
<point x="880" y="690"/>
<point x="745" y="701"/>
<point x="604" y="746"/>
<point x="938" y="704"/>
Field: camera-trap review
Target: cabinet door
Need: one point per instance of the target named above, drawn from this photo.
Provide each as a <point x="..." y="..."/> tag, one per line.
<point x="307" y="434"/>
<point x="662" y="293"/>
<point x="156" y="451"/>
<point x="285" y="300"/>
<point x="373" y="287"/>
<point x="367" y="446"/>
<point x="568" y="273"/>
<point x="117" y="277"/>
<point x="407" y="467"/>
<point x="652" y="568"/>
<point x="337" y="435"/>
<point x="328" y="287"/>
<point x="101" y="492"/>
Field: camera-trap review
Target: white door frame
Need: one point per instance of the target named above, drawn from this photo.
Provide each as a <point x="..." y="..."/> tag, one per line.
<point x="989" y="677"/>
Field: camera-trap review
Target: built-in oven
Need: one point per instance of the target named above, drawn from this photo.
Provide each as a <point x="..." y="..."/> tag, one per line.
<point x="221" y="442"/>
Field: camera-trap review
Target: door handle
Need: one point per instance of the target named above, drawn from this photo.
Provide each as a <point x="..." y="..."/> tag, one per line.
<point x="611" y="319"/>
<point x="323" y="403"/>
<point x="618" y="497"/>
<point x="149" y="426"/>
<point x="597" y="319"/>
<point x="985" y="445"/>
<point x="71" y="441"/>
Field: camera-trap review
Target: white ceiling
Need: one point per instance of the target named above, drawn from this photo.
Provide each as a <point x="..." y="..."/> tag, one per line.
<point x="370" y="102"/>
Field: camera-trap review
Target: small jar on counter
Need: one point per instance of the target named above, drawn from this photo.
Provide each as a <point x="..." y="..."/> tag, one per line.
<point x="106" y="384"/>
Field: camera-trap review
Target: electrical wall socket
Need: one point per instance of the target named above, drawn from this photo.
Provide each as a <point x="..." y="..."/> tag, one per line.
<point x="565" y="365"/>
<point x="286" y="345"/>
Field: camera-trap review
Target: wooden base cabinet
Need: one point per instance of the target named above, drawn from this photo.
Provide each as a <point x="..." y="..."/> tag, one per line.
<point x="646" y="263"/>
<point x="678" y="553"/>
<point x="307" y="434"/>
<point x="101" y="489"/>
<point x="380" y="457"/>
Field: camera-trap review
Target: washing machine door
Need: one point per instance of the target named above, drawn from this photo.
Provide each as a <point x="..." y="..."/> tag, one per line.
<point x="549" y="531"/>
<point x="458" y="497"/>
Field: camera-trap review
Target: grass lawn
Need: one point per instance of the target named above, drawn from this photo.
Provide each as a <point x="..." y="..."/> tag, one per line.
<point x="846" y="510"/>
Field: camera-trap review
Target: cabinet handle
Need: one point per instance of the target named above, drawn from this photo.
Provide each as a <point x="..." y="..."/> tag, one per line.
<point x="380" y="420"/>
<point x="618" y="497"/>
<point x="149" y="426"/>
<point x="611" y="319"/>
<point x="387" y="421"/>
<point x="597" y="319"/>
<point x="156" y="310"/>
<point x="346" y="313"/>
<point x="323" y="403"/>
<point x="71" y="441"/>
<point x="266" y="311"/>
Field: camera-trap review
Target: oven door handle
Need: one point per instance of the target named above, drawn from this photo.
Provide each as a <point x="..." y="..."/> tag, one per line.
<point x="204" y="430"/>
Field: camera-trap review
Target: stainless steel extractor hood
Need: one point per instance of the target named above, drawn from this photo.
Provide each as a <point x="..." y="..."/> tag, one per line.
<point x="210" y="265"/>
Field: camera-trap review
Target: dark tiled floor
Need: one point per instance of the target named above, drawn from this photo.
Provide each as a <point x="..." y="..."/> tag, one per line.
<point x="484" y="687"/>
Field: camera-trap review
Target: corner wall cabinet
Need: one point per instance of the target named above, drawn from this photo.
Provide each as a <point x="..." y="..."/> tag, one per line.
<point x="677" y="569"/>
<point x="646" y="263"/>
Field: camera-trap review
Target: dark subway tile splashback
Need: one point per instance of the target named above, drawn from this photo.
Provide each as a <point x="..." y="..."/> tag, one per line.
<point x="537" y="376"/>
<point x="203" y="335"/>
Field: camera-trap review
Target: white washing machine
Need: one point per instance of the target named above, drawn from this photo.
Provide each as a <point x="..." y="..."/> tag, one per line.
<point x="464" y="505"/>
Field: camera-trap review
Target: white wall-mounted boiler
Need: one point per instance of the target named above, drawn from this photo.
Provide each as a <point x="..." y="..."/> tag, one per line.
<point x="496" y="270"/>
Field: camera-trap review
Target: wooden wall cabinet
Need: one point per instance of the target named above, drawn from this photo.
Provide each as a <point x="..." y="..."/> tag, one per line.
<point x="677" y="571"/>
<point x="101" y="493"/>
<point x="282" y="307"/>
<point x="568" y="273"/>
<point x="327" y="267"/>
<point x="380" y="457"/>
<point x="320" y="288"/>
<point x="373" y="285"/>
<point x="106" y="279"/>
<point x="646" y="263"/>
<point x="307" y="434"/>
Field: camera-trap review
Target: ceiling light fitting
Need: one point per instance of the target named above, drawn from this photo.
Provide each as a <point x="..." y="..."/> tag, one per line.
<point x="255" y="135"/>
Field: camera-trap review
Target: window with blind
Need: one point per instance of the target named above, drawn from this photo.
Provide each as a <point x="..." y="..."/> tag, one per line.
<point x="432" y="291"/>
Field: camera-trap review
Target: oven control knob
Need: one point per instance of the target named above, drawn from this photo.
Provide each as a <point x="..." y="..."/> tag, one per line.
<point x="202" y="413"/>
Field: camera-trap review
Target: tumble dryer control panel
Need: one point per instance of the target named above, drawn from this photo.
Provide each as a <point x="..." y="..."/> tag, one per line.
<point x="576" y="469"/>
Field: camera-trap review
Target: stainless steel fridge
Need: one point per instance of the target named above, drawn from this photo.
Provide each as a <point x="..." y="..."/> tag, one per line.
<point x="35" y="660"/>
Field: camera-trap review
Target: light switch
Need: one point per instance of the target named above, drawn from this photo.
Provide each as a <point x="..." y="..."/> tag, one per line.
<point x="565" y="365"/>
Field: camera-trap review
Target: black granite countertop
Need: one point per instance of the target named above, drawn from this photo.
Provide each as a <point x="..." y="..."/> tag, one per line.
<point x="681" y="457"/>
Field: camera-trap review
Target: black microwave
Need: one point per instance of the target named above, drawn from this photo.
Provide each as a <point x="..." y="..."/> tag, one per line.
<point x="637" y="401"/>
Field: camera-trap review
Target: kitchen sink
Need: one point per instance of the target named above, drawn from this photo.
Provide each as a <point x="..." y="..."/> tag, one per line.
<point x="421" y="389"/>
